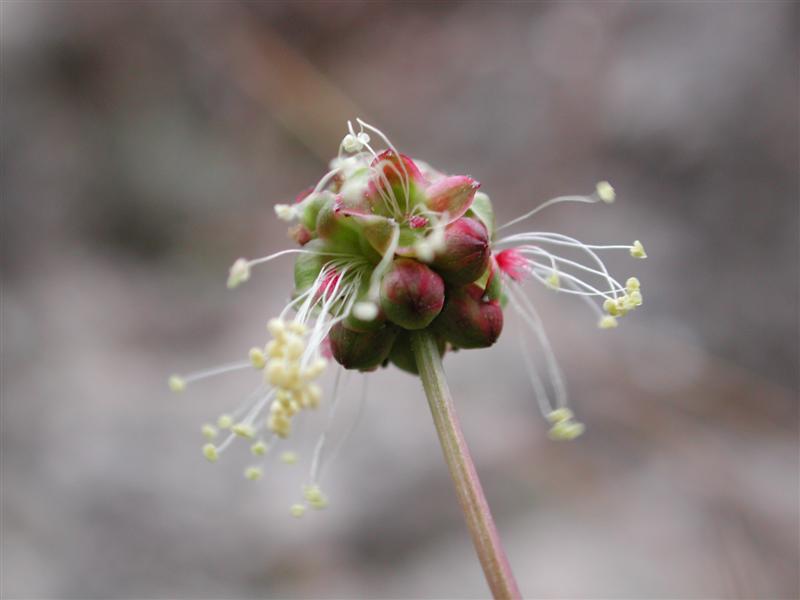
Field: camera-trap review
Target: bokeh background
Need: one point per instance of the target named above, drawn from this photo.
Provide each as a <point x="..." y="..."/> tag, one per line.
<point x="143" y="146"/>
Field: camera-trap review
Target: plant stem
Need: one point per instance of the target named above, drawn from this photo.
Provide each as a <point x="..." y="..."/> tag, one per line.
<point x="468" y="487"/>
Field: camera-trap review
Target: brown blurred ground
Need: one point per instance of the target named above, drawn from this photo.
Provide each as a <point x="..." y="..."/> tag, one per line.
<point x="143" y="147"/>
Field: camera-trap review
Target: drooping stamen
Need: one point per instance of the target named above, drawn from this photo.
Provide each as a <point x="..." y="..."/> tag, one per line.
<point x="317" y="456"/>
<point x="531" y="317"/>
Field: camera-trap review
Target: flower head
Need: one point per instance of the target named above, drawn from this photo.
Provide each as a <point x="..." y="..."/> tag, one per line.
<point x="389" y="245"/>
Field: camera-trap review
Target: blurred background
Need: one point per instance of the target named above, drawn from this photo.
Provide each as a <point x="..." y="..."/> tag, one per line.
<point x="144" y="145"/>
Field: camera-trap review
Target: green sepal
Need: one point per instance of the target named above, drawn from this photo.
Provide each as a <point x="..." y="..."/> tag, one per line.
<point x="402" y="356"/>
<point x="482" y="209"/>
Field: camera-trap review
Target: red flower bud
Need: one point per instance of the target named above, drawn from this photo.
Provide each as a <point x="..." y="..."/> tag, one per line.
<point x="362" y="350"/>
<point x="469" y="319"/>
<point x="466" y="252"/>
<point x="411" y="294"/>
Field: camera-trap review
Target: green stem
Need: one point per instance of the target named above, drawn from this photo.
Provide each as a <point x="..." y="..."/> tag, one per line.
<point x="468" y="487"/>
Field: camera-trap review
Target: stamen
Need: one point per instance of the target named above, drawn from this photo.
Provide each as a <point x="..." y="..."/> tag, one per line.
<point x="405" y="176"/>
<point x="529" y="314"/>
<point x="178" y="383"/>
<point x="253" y="473"/>
<point x="210" y="452"/>
<point x="209" y="431"/>
<point x="315" y="460"/>
<point x="288" y="457"/>
<point x="605" y="192"/>
<point x="259" y="448"/>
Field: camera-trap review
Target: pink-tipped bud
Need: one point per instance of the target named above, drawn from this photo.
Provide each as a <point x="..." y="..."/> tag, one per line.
<point x="362" y="350"/>
<point x="453" y="195"/>
<point x="466" y="252"/>
<point x="469" y="319"/>
<point x="411" y="294"/>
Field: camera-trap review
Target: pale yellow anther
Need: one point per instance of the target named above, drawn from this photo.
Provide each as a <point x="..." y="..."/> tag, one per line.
<point x="560" y="414"/>
<point x="553" y="280"/>
<point x="424" y="251"/>
<point x="209" y="431"/>
<point x="297" y="327"/>
<point x="257" y="358"/>
<point x="244" y="430"/>
<point x="224" y="421"/>
<point x="276" y="372"/>
<point x="636" y="298"/>
<point x="313" y="395"/>
<point x="297" y="510"/>
<point x="279" y="424"/>
<point x="259" y="448"/>
<point x="632" y="284"/>
<point x="317" y="367"/>
<point x="274" y="349"/>
<point x="315" y="497"/>
<point x="365" y="310"/>
<point x="607" y="322"/>
<point x="276" y="327"/>
<point x="637" y="251"/>
<point x="253" y="473"/>
<point x="605" y="192"/>
<point x="210" y="452"/>
<point x="288" y="457"/>
<point x="285" y="212"/>
<point x="239" y="272"/>
<point x="177" y="383"/>
<point x="610" y="306"/>
<point x="566" y="430"/>
<point x="294" y="347"/>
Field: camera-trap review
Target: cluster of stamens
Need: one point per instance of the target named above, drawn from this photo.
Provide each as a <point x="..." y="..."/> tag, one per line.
<point x="621" y="305"/>
<point x="282" y="361"/>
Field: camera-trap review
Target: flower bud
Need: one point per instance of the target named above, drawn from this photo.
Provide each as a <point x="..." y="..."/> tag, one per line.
<point x="411" y="294"/>
<point x="466" y="252"/>
<point x="394" y="175"/>
<point x="453" y="195"/>
<point x="402" y="356"/>
<point x="336" y="229"/>
<point x="362" y="350"/>
<point x="469" y="319"/>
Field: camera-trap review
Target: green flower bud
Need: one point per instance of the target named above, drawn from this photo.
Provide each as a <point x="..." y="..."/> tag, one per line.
<point x="362" y="350"/>
<point x="411" y="294"/>
<point x="337" y="229"/>
<point x="469" y="318"/>
<point x="403" y="357"/>
<point x="465" y="255"/>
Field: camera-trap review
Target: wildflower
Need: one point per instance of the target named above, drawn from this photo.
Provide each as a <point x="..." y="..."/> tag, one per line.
<point x="389" y="246"/>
